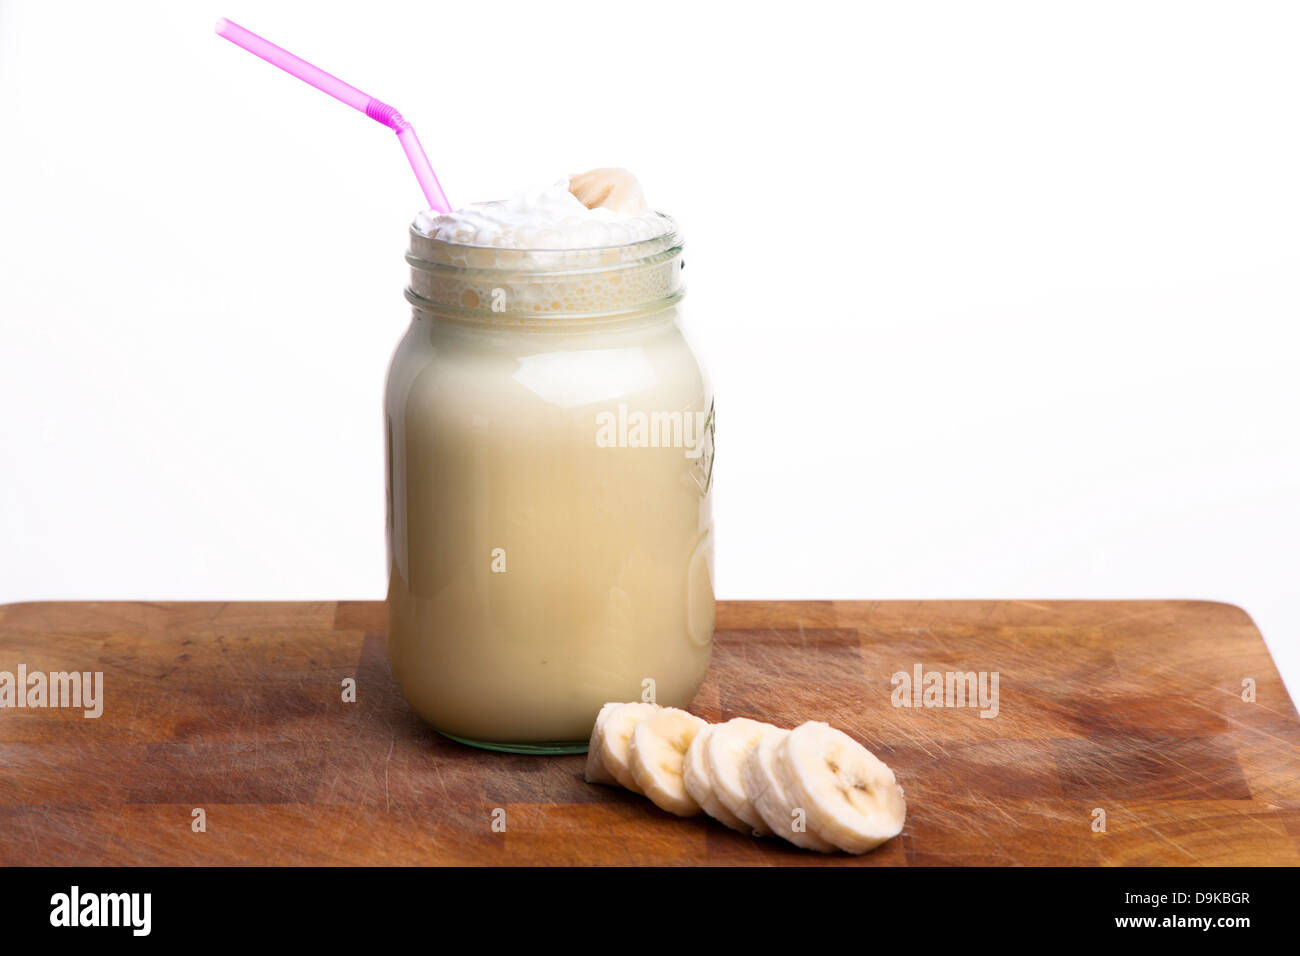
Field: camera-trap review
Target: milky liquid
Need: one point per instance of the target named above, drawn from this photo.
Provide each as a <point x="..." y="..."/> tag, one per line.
<point x="534" y="573"/>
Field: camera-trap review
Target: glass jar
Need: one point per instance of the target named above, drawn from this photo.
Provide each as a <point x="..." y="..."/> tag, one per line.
<point x="550" y="471"/>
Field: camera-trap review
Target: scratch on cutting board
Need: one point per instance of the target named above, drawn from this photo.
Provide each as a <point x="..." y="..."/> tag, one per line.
<point x="1036" y="607"/>
<point x="1196" y="773"/>
<point x="1181" y="849"/>
<point x="1232" y="719"/>
<point x="924" y="743"/>
<point x="1237" y="722"/>
<point x="388" y="803"/>
<point x="1133" y="615"/>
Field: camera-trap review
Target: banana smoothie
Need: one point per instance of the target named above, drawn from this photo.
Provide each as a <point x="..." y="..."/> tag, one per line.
<point x="549" y="439"/>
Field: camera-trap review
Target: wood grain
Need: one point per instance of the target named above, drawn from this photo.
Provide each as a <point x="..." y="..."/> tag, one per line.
<point x="1132" y="707"/>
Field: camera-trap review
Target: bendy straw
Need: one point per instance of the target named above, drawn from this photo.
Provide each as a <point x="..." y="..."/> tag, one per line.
<point x="374" y="108"/>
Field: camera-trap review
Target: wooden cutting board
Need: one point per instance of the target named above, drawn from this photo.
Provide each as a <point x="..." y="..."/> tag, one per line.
<point x="1134" y="708"/>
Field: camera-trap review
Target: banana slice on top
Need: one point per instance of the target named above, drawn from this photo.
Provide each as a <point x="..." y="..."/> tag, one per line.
<point x="612" y="740"/>
<point x="768" y="795"/>
<point x="609" y="188"/>
<point x="657" y="757"/>
<point x="850" y="797"/>
<point x="695" y="775"/>
<point x="729" y="745"/>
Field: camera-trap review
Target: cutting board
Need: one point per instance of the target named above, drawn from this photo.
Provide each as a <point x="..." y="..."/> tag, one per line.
<point x="1131" y="709"/>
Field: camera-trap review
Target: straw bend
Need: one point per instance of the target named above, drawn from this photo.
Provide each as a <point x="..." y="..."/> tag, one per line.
<point x="380" y="111"/>
<point x="376" y="109"/>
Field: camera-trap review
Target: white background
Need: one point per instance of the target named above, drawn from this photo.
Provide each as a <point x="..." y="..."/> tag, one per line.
<point x="999" y="300"/>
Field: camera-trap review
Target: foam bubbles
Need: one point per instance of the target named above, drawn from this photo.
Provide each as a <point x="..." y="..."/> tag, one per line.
<point x="543" y="217"/>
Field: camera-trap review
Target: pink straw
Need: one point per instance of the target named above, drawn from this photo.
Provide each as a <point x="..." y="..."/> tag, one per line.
<point x="376" y="109"/>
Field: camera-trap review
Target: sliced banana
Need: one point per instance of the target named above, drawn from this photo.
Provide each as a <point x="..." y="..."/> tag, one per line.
<point x="695" y="775"/>
<point x="850" y="797"/>
<point x="657" y="756"/>
<point x="614" y="738"/>
<point x="609" y="188"/>
<point x="729" y="745"/>
<point x="766" y="792"/>
<point x="596" y="772"/>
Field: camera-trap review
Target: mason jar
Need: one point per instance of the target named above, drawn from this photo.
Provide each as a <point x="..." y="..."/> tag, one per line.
<point x="550" y="473"/>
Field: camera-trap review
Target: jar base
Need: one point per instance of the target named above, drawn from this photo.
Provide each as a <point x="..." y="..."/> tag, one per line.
<point x="542" y="749"/>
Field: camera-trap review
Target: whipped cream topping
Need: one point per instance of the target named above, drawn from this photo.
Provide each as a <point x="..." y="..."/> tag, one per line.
<point x="542" y="217"/>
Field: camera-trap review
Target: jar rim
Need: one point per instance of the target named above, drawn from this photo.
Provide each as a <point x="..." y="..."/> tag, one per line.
<point x="428" y="250"/>
<point x="547" y="286"/>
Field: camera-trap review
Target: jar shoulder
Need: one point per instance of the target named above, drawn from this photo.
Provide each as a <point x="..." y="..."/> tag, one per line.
<point x="454" y="368"/>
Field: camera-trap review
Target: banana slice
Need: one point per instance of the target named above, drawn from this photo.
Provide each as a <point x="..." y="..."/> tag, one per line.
<point x="850" y="797"/>
<point x="615" y="739"/>
<point x="729" y="745"/>
<point x="657" y="756"/>
<point x="764" y="789"/>
<point x="610" y="188"/>
<point x="695" y="775"/>
<point x="596" y="772"/>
